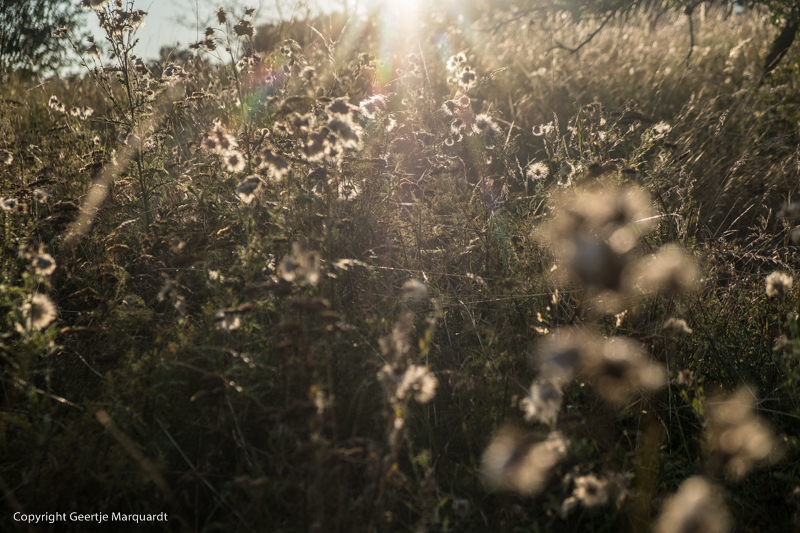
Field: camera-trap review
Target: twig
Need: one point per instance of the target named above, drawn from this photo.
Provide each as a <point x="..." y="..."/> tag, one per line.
<point x="585" y="41"/>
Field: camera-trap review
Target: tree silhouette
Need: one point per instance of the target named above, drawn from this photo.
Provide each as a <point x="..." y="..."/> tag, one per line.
<point x="27" y="41"/>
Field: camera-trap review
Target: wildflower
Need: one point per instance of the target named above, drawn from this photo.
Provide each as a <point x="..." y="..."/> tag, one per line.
<point x="230" y="318"/>
<point x="277" y="164"/>
<point x="302" y="262"/>
<point x="591" y="491"/>
<point x="55" y="104"/>
<point x="93" y="4"/>
<point x="30" y="250"/>
<point x="38" y="311"/>
<point x="677" y="326"/>
<point x="542" y="403"/>
<point x="778" y="283"/>
<point x="485" y="124"/>
<point x="348" y="190"/>
<point x="243" y="28"/>
<point x="173" y="72"/>
<point x="456" y="61"/>
<point x="60" y="32"/>
<point x="12" y="205"/>
<point x="543" y="129"/>
<point x="340" y="106"/>
<point x="414" y="290"/>
<point x="6" y="157"/>
<point x="736" y="438"/>
<point x="466" y="78"/>
<point x="227" y="321"/>
<point x="685" y="377"/>
<point x="450" y="107"/>
<point x="660" y="130"/>
<point x="515" y="461"/>
<point x="288" y="269"/>
<point x="619" y="367"/>
<point x="373" y="104"/>
<point x="222" y="16"/>
<point x="81" y="112"/>
<point x="419" y="380"/>
<point x="44" y="264"/>
<point x="93" y="50"/>
<point x="697" y="506"/>
<point x="247" y="188"/>
<point x="347" y="132"/>
<point x="537" y="171"/>
<point x="222" y="142"/>
<point x="235" y="161"/>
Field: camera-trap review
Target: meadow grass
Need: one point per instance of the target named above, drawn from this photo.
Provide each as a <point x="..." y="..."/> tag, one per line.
<point x="484" y="282"/>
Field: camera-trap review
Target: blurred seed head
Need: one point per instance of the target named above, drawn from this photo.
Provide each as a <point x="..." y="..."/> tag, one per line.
<point x="591" y="491"/>
<point x="227" y="321"/>
<point x="561" y="354"/>
<point x="243" y="28"/>
<point x="13" y="206"/>
<point x="594" y="232"/>
<point x="778" y="283"/>
<point x="537" y="171"/>
<point x="246" y="189"/>
<point x="372" y="105"/>
<point x="30" y="250"/>
<point x="43" y="264"/>
<point x="222" y="15"/>
<point x="414" y="289"/>
<point x="484" y="124"/>
<point x="542" y="403"/>
<point x="38" y="311"/>
<point x="619" y="368"/>
<point x="93" y="4"/>
<point x="303" y="263"/>
<point x="671" y="270"/>
<point x="41" y="196"/>
<point x="677" y="326"/>
<point x="55" y="104"/>
<point x="419" y="381"/>
<point x="235" y="161"/>
<point x="698" y="506"/>
<point x="736" y="439"/>
<point x="515" y="461"/>
<point x="595" y="263"/>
